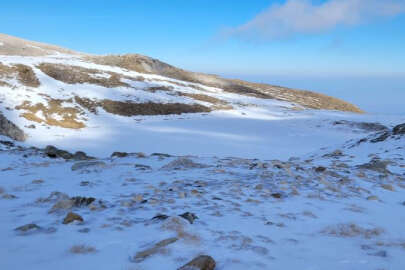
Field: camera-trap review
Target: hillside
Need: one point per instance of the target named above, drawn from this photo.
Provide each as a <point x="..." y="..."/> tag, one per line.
<point x="125" y="162"/>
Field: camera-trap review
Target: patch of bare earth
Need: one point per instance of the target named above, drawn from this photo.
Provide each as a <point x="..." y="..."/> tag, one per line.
<point x="150" y="108"/>
<point x="53" y="114"/>
<point x="128" y="108"/>
<point x="23" y="73"/>
<point x="79" y="75"/>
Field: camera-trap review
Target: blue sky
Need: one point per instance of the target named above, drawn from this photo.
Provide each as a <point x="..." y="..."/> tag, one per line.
<point x="261" y="39"/>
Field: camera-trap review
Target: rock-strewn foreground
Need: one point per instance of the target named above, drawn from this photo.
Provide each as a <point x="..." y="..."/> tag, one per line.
<point x="338" y="208"/>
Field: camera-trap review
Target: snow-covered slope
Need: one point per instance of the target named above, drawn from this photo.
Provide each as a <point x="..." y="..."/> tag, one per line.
<point x="101" y="104"/>
<point x="255" y="176"/>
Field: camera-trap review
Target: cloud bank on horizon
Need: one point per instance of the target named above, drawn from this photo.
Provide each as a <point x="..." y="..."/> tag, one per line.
<point x="296" y="17"/>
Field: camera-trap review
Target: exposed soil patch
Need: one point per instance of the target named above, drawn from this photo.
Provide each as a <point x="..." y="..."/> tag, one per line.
<point x="150" y="108"/>
<point x="23" y="73"/>
<point x="53" y="114"/>
<point x="128" y="108"/>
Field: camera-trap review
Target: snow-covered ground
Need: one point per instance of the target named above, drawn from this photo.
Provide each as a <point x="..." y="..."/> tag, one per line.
<point x="252" y="214"/>
<point x="274" y="186"/>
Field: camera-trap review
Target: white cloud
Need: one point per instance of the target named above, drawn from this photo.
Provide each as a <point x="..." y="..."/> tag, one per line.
<point x="303" y="17"/>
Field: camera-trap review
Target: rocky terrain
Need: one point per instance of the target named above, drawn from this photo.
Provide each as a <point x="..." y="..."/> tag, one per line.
<point x="138" y="211"/>
<point x="125" y="162"/>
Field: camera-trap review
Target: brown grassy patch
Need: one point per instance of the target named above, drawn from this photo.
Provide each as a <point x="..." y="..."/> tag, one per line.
<point x="24" y="74"/>
<point x="82" y="249"/>
<point x="27" y="76"/>
<point x="80" y="75"/>
<point x="150" y="108"/>
<point x="68" y="115"/>
<point x="127" y="108"/>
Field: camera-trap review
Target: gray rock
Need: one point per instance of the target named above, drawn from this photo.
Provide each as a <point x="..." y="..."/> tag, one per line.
<point x="381" y="137"/>
<point x="53" y="152"/>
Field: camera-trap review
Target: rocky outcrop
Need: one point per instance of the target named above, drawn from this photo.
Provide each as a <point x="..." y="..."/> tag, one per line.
<point x="53" y="152"/>
<point x="9" y="129"/>
<point x="399" y="130"/>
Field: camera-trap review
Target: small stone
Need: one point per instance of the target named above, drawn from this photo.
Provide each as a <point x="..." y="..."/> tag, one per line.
<point x="276" y="195"/>
<point x="372" y="198"/>
<point x="160" y="217"/>
<point x="28" y="227"/>
<point x="202" y="262"/>
<point x="37" y="181"/>
<point x="70" y="217"/>
<point x="320" y="169"/>
<point x="142" y="255"/>
<point x="190" y="217"/>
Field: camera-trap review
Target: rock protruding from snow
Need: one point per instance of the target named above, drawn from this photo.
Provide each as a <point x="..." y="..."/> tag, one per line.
<point x="399" y="130"/>
<point x="202" y="262"/>
<point x="53" y="152"/>
<point x="9" y="129"/>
